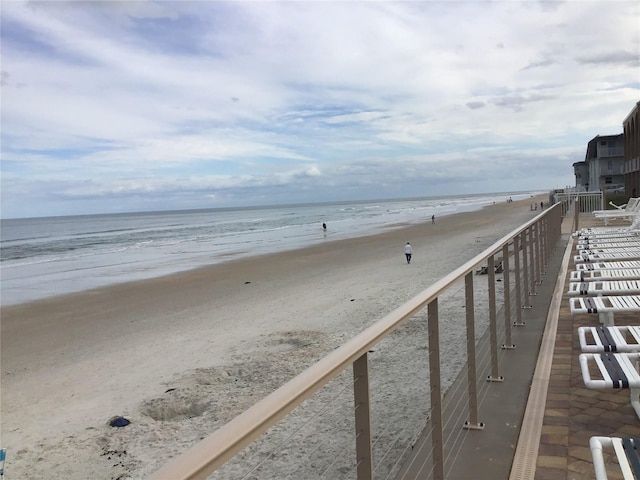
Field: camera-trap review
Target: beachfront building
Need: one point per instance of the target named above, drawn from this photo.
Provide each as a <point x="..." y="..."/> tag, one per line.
<point x="581" y="172"/>
<point x="604" y="163"/>
<point x="631" y="128"/>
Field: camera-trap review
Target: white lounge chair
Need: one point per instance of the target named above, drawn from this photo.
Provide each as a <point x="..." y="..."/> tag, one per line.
<point x="623" y="249"/>
<point x="613" y="242"/>
<point x="622" y="339"/>
<point x="626" y="452"/>
<point x="604" y="371"/>
<point x="585" y="252"/>
<point x="618" y="206"/>
<point x="633" y="206"/>
<point x="623" y="214"/>
<point x="604" y="274"/>
<point x="605" y="306"/>
<point x="605" y="287"/>
<point x="608" y="265"/>
<point x="606" y="257"/>
<point x="632" y="229"/>
<point x="618" y="235"/>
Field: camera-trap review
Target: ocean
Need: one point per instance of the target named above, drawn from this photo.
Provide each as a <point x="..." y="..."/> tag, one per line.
<point x="44" y="257"/>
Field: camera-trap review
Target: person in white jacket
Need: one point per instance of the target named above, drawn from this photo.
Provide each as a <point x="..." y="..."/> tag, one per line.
<point x="408" y="252"/>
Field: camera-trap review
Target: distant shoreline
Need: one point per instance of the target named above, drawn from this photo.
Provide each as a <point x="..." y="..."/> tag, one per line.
<point x="71" y="362"/>
<point x="278" y="205"/>
<point x="40" y="267"/>
<point x="385" y="230"/>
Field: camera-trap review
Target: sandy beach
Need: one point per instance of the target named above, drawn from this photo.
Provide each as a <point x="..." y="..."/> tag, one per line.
<point x="181" y="355"/>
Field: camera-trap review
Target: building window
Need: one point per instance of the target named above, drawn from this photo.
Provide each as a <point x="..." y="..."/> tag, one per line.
<point x="608" y="180"/>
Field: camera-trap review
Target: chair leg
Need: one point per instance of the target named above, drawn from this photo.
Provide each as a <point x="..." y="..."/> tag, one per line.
<point x="606" y="319"/>
<point x="635" y="400"/>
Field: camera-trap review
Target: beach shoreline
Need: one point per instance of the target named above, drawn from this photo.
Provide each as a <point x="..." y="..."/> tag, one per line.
<point x="69" y="363"/>
<point x="49" y="257"/>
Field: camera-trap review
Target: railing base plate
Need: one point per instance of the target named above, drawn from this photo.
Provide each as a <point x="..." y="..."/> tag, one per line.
<point x="473" y="426"/>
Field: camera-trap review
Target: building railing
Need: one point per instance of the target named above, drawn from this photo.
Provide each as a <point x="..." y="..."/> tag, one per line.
<point x="613" y="170"/>
<point x="631" y="165"/>
<point x="586" y="201"/>
<point x="522" y="254"/>
<point x="610" y="151"/>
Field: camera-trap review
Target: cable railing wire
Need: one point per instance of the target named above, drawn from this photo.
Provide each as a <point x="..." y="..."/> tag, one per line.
<point x="281" y="445"/>
<point x="453" y="442"/>
<point x="485" y="361"/>
<point x="345" y="406"/>
<point x="452" y="394"/>
<point x="457" y="392"/>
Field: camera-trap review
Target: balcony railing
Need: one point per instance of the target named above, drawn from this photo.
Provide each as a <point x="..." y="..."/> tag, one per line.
<point x="613" y="170"/>
<point x="586" y="201"/>
<point x="523" y="252"/>
<point x="610" y="151"/>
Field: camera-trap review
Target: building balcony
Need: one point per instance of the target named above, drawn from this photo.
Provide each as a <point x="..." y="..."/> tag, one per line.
<point x="615" y="170"/>
<point x="610" y="151"/>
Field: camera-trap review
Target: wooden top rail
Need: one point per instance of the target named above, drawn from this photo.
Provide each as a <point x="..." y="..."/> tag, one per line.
<point x="212" y="452"/>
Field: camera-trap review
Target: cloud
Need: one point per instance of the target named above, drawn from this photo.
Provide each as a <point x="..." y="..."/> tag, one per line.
<point x="539" y="63"/>
<point x="517" y="102"/>
<point x="475" y="105"/>
<point x="367" y="178"/>
<point x="150" y="105"/>
<point x="619" y="57"/>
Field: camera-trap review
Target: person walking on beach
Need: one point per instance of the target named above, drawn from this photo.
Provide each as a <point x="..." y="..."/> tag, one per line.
<point x="408" y="252"/>
<point x="324" y="226"/>
<point x="433" y="219"/>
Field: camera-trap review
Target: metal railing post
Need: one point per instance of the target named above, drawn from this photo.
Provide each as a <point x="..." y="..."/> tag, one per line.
<point x="364" y="454"/>
<point x="538" y="252"/>
<point x="472" y="387"/>
<point x="525" y="262"/>
<point x="437" y="441"/>
<point x="493" y="327"/>
<point x="518" y="274"/>
<point x="544" y="243"/>
<point x="507" y="297"/>
<point x="532" y="263"/>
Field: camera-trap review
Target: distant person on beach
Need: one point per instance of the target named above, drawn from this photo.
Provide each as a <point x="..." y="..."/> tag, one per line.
<point x="408" y="252"/>
<point x="324" y="226"/>
<point x="541" y="205"/>
<point x="433" y="219"/>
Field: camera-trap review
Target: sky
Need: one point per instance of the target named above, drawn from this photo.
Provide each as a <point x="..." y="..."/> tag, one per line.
<point x="114" y="106"/>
